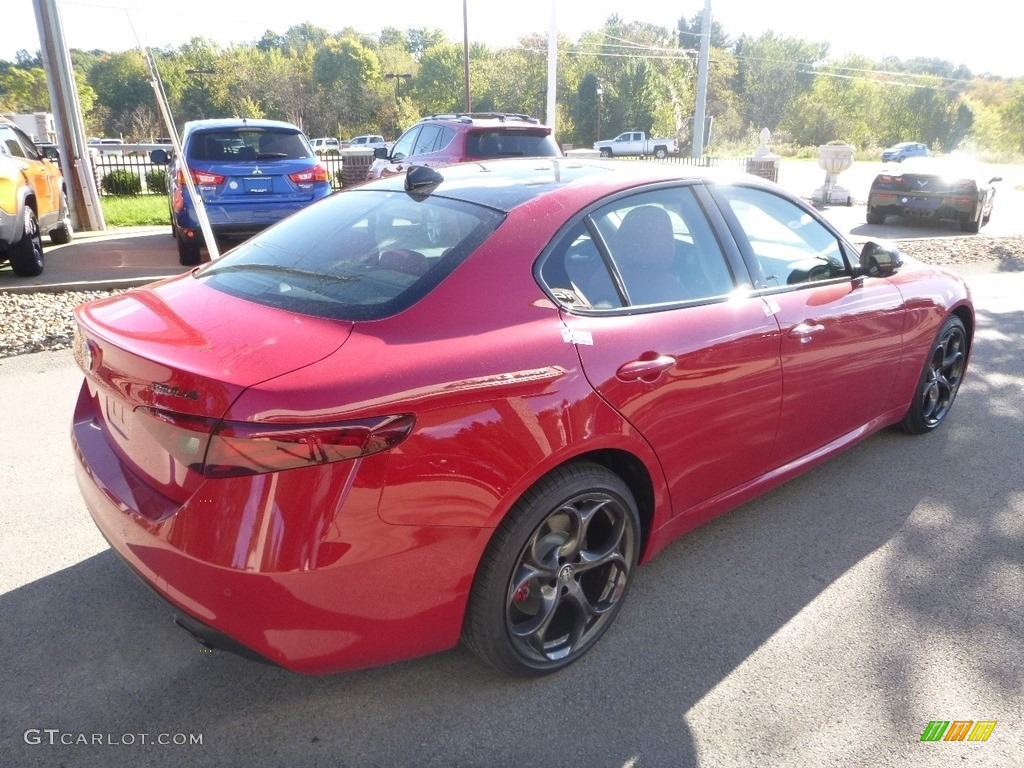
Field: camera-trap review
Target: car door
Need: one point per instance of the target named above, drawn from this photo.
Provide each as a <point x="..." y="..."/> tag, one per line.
<point x="665" y="337"/>
<point x="43" y="177"/>
<point x="841" y="335"/>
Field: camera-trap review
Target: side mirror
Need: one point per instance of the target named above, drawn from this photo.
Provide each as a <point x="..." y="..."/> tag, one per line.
<point x="879" y="260"/>
<point x="380" y="153"/>
<point x="159" y="157"/>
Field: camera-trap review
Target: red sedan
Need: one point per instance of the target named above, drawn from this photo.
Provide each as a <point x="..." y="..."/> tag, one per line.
<point x="467" y="403"/>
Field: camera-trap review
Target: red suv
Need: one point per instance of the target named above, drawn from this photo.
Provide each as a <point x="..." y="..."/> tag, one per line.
<point x="446" y="139"/>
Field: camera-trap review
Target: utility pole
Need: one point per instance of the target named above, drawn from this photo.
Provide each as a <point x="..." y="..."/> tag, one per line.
<point x="702" y="82"/>
<point x="465" y="56"/>
<point x="83" y="199"/>
<point x="552" y="68"/>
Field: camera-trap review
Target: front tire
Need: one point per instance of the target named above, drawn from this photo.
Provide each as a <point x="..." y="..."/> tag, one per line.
<point x="555" y="573"/>
<point x="940" y="380"/>
<point x="605" y="152"/>
<point x="26" y="255"/>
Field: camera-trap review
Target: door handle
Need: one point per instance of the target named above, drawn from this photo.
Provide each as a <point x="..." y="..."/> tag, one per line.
<point x="805" y="329"/>
<point x="645" y="370"/>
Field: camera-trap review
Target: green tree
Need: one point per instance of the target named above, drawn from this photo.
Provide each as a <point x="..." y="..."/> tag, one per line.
<point x="24" y="90"/>
<point x="121" y="83"/>
<point x="348" y="74"/>
<point x="438" y="87"/>
<point x="773" y="72"/>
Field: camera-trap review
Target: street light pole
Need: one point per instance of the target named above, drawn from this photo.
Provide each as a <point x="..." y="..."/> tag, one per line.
<point x="398" y="78"/>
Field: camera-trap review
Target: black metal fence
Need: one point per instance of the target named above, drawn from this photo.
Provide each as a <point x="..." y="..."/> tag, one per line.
<point x="121" y="173"/>
<point x="135" y="173"/>
<point x="766" y="169"/>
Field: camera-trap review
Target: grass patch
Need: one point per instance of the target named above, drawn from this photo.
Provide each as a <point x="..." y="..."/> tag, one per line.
<point x="134" y="211"/>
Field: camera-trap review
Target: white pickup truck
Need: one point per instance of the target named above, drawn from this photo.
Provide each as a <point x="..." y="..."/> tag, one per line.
<point x="636" y="143"/>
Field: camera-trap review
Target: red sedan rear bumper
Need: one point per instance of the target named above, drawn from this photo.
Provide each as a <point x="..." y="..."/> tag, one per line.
<point x="314" y="587"/>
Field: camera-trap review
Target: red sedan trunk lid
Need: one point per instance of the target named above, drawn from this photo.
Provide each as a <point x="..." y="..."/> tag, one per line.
<point x="181" y="349"/>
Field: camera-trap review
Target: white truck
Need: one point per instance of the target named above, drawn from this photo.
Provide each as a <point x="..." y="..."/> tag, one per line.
<point x="636" y="143"/>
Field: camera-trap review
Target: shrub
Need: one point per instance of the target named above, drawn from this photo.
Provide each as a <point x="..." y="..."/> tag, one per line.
<point x="121" y="182"/>
<point x="156" y="180"/>
<point x="338" y="178"/>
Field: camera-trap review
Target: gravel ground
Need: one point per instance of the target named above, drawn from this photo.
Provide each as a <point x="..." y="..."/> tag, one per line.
<point x="42" y="321"/>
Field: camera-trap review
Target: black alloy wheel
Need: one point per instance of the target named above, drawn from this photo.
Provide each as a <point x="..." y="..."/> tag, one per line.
<point x="556" y="572"/>
<point x="940" y="379"/>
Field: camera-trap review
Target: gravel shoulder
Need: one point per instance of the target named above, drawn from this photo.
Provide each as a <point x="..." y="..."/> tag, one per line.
<point x="36" y="322"/>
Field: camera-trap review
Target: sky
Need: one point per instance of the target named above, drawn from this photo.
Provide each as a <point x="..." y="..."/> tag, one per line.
<point x="874" y="28"/>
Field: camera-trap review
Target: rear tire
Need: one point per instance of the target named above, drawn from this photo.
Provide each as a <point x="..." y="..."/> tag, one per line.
<point x="188" y="253"/>
<point x="875" y="218"/>
<point x="555" y="573"/>
<point x="660" y="153"/>
<point x="974" y="225"/>
<point x="61" y="234"/>
<point x="26" y="255"/>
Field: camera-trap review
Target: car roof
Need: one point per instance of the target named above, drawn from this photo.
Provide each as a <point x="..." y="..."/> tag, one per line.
<point x="236" y="122"/>
<point x="505" y="184"/>
<point x="484" y="118"/>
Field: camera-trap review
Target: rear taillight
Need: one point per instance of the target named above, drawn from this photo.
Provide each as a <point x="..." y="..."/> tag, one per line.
<point x="317" y="173"/>
<point x="886" y="179"/>
<point x="233" y="448"/>
<point x="207" y="179"/>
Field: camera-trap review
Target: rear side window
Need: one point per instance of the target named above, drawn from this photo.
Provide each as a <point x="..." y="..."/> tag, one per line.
<point x="433" y="138"/>
<point x="361" y="255"/>
<point x="246" y="145"/>
<point x="505" y="143"/>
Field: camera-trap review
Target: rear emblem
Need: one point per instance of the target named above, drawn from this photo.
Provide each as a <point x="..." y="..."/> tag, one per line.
<point x="922" y="183"/>
<point x="163" y="389"/>
<point x="256" y="171"/>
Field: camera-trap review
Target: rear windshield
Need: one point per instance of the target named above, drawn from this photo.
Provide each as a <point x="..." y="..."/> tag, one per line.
<point x="358" y="255"/>
<point x="247" y="144"/>
<point x="505" y="143"/>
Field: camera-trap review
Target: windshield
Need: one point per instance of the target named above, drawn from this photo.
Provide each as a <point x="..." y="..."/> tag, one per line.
<point x="505" y="143"/>
<point x="358" y="255"/>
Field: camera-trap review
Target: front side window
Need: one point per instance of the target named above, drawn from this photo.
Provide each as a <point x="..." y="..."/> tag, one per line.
<point x="651" y="248"/>
<point x="790" y="246"/>
<point x="361" y="255"/>
<point x="404" y="146"/>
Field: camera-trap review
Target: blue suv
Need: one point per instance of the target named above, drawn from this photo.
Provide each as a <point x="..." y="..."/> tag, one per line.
<point x="897" y="153"/>
<point x="249" y="173"/>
